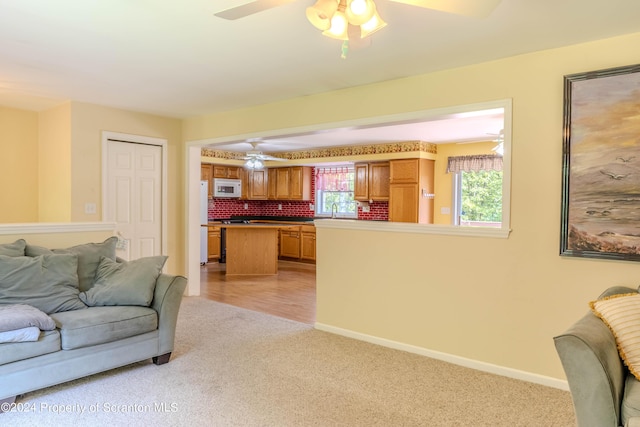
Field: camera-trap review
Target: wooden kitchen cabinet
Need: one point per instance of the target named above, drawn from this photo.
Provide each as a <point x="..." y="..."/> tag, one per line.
<point x="411" y="190"/>
<point x="300" y="183"/>
<point x="222" y="171"/>
<point x="272" y="182"/>
<point x="361" y="181"/>
<point x="282" y="183"/>
<point x="213" y="242"/>
<point x="379" y="181"/>
<point x="290" y="183"/>
<point x="308" y="242"/>
<point x="371" y="181"/>
<point x="254" y="184"/>
<point x="206" y="174"/>
<point x="290" y="242"/>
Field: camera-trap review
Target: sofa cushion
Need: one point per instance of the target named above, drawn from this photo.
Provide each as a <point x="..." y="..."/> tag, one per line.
<point x="48" y="342"/>
<point x="47" y="282"/>
<point x="124" y="283"/>
<point x="621" y="313"/>
<point x="16" y="316"/>
<point x="89" y="255"/>
<point x="98" y="325"/>
<point x="13" y="249"/>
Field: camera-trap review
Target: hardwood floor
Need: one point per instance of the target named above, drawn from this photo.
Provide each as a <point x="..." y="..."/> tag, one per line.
<point x="290" y="294"/>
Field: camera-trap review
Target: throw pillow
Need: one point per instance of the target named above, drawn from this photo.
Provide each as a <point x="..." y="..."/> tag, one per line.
<point x="125" y="283"/>
<point x="20" y="335"/>
<point x="47" y="282"/>
<point x="18" y="316"/>
<point x="621" y="313"/>
<point x="13" y="249"/>
<point x="89" y="255"/>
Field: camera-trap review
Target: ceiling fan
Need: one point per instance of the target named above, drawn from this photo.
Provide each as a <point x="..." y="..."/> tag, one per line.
<point x="355" y="20"/>
<point x="255" y="158"/>
<point x="473" y="8"/>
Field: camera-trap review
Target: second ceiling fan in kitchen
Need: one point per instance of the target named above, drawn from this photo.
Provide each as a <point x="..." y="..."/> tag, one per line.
<point x="255" y="158"/>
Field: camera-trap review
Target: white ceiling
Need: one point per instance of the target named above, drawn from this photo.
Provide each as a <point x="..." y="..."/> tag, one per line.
<point x="176" y="59"/>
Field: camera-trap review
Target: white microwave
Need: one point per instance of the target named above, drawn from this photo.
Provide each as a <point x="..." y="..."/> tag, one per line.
<point x="223" y="187"/>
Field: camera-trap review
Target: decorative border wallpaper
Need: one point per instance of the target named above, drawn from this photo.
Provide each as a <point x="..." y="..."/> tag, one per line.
<point x="356" y="150"/>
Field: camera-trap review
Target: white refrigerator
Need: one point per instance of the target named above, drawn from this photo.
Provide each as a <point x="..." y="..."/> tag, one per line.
<point x="204" y="219"/>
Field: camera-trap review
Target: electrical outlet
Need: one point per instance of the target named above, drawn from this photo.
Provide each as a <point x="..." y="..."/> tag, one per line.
<point x="311" y="206"/>
<point x="279" y="206"/>
<point x="246" y="206"/>
<point x="90" y="208"/>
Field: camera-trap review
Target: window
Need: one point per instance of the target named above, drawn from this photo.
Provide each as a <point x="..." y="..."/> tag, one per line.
<point x="334" y="192"/>
<point x="477" y="190"/>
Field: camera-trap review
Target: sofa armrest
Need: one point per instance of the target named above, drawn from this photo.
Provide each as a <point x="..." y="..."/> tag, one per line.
<point x="594" y="369"/>
<point x="167" y="297"/>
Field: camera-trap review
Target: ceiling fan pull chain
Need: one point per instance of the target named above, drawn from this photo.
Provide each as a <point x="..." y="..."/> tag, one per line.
<point x="345" y="49"/>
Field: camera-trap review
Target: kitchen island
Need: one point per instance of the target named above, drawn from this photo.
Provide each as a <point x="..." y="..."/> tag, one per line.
<point x="252" y="249"/>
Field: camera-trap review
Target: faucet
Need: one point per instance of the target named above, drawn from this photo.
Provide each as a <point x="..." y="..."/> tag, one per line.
<point x="334" y="213"/>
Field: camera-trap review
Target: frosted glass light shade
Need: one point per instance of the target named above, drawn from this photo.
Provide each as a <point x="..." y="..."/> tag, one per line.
<point x="360" y="11"/>
<point x="320" y="13"/>
<point x="371" y="26"/>
<point x="339" y="26"/>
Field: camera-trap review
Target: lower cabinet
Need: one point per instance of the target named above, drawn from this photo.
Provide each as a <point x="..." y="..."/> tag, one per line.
<point x="308" y="242"/>
<point x="213" y="243"/>
<point x="298" y="242"/>
<point x="290" y="242"/>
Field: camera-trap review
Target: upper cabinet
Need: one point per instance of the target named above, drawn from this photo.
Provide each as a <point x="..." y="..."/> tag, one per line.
<point x="291" y="183"/>
<point x="371" y="181"/>
<point x="222" y="171"/>
<point x="300" y="183"/>
<point x="411" y="190"/>
<point x="206" y="174"/>
<point x="254" y="184"/>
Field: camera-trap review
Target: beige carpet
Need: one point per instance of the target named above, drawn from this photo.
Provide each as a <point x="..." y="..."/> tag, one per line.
<point x="234" y="367"/>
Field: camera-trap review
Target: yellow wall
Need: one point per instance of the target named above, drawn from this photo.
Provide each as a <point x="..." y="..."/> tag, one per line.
<point x="18" y="165"/>
<point x="88" y="122"/>
<point x="444" y="181"/>
<point x="513" y="295"/>
<point x="57" y="154"/>
<point x="54" y="172"/>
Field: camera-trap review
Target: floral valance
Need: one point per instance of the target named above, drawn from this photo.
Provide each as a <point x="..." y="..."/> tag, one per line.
<point x="334" y="179"/>
<point x="474" y="163"/>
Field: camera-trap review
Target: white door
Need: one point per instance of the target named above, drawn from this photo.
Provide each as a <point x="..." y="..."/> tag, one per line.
<point x="134" y="197"/>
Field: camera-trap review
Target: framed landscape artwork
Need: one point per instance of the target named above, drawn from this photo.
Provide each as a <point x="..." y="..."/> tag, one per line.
<point x="601" y="165"/>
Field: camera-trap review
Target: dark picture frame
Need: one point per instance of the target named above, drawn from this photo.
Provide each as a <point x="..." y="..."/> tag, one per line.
<point x="601" y="165"/>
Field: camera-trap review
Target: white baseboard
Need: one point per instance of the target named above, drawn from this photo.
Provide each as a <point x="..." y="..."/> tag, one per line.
<point x="450" y="358"/>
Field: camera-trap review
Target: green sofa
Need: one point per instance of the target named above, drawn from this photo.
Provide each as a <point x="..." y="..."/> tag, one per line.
<point x="106" y="313"/>
<point x="603" y="390"/>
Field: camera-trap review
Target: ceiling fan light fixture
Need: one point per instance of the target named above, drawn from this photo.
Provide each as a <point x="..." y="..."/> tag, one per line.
<point x="371" y="26"/>
<point x="339" y="26"/>
<point x="254" y="164"/>
<point x="321" y="12"/>
<point x="360" y="11"/>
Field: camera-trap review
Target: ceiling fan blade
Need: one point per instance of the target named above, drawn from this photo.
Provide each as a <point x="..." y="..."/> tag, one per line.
<point x="250" y="8"/>
<point x="472" y="8"/>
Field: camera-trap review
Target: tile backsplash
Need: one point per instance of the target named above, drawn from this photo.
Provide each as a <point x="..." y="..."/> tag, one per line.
<point x="225" y="208"/>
